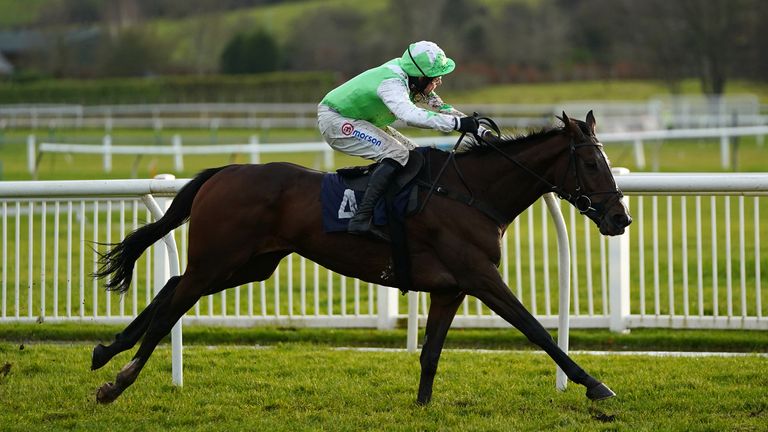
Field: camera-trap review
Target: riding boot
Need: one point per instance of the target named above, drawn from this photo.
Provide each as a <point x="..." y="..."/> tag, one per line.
<point x="362" y="222"/>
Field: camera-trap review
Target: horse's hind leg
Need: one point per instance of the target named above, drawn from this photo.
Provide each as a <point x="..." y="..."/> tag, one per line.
<point x="168" y="311"/>
<point x="442" y="309"/>
<point x="126" y="339"/>
<point x="500" y="299"/>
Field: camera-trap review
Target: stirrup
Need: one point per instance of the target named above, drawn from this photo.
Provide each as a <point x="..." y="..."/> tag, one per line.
<point x="369" y="230"/>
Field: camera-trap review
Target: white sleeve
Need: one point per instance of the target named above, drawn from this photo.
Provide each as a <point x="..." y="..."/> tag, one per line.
<point x="435" y="102"/>
<point x="394" y="93"/>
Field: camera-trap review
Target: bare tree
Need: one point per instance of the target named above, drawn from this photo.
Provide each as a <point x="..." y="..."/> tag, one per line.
<point x="705" y="38"/>
<point x="340" y="46"/>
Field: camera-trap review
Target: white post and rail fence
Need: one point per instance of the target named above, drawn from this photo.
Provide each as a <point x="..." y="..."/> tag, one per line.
<point x="693" y="258"/>
<point x="255" y="149"/>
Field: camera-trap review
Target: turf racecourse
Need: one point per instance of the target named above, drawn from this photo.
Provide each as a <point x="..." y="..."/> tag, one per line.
<point x="309" y="387"/>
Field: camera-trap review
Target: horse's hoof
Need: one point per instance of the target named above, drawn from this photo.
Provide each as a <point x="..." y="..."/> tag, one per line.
<point x="107" y="393"/>
<point x="99" y="357"/>
<point x="600" y="392"/>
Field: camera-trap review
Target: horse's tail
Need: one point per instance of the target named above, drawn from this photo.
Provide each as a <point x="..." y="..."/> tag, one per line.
<point x="119" y="261"/>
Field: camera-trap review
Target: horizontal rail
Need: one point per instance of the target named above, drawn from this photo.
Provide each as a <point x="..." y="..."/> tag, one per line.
<point x="699" y="183"/>
<point x="89" y="188"/>
<point x="730" y="183"/>
<point x="683" y="133"/>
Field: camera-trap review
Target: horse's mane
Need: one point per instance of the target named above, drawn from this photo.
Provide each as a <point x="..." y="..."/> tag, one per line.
<point x="473" y="146"/>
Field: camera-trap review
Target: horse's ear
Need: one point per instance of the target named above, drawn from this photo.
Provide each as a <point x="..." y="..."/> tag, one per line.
<point x="572" y="128"/>
<point x="591" y="121"/>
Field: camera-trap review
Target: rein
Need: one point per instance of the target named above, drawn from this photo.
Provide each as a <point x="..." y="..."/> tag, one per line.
<point x="581" y="201"/>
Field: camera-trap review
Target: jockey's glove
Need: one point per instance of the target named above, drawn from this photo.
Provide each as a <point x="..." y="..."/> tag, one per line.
<point x="467" y="124"/>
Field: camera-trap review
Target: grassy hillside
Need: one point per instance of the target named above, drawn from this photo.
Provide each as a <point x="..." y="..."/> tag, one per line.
<point x="211" y="32"/>
<point x="19" y="12"/>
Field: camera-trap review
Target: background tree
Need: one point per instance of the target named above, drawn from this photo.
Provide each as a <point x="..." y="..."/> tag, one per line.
<point x="128" y="54"/>
<point x="256" y="52"/>
<point x="709" y="39"/>
<point x="532" y="41"/>
<point x="333" y="39"/>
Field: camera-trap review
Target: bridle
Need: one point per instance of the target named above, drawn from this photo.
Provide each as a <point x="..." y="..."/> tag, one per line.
<point x="581" y="200"/>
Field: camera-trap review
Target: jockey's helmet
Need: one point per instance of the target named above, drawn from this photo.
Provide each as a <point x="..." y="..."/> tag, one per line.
<point x="426" y="59"/>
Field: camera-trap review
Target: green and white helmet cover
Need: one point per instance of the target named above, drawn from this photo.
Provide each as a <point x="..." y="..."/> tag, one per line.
<point x="430" y="60"/>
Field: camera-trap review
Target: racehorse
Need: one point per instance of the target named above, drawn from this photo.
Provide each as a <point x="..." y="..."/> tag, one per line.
<point x="243" y="219"/>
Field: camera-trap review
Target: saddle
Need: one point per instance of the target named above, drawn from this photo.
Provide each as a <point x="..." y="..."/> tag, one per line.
<point x="357" y="178"/>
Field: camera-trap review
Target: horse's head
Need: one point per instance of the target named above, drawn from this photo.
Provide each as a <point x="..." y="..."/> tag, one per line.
<point x="589" y="184"/>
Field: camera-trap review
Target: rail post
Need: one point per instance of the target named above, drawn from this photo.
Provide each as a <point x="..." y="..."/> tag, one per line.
<point x="107" y="144"/>
<point x="387" y="307"/>
<point x="725" y="151"/>
<point x="412" y="341"/>
<point x="639" y="153"/>
<point x="328" y="158"/>
<point x="166" y="264"/>
<point x="255" y="156"/>
<point x="31" y="156"/>
<point x="178" y="157"/>
<point x="564" y="286"/>
<point x="618" y="275"/>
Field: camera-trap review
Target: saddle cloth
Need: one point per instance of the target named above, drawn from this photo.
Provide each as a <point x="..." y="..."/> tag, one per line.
<point x="341" y="191"/>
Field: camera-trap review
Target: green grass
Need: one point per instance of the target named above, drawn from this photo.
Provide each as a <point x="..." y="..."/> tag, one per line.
<point x="300" y="387"/>
<point x="506" y="339"/>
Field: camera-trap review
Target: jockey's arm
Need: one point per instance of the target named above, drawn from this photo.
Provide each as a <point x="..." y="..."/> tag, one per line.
<point x="394" y="94"/>
<point x="435" y="103"/>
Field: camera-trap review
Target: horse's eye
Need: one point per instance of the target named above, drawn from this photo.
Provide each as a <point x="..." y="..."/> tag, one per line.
<point x="591" y="165"/>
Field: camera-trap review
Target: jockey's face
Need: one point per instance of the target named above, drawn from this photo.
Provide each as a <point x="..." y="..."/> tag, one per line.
<point x="437" y="81"/>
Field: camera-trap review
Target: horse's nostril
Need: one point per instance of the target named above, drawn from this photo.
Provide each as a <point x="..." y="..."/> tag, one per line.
<point x="622" y="220"/>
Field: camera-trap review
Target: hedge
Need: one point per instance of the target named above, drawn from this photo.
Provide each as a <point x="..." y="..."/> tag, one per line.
<point x="269" y="87"/>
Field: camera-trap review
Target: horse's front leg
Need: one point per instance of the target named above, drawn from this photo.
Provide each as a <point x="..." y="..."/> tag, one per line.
<point x="491" y="290"/>
<point x="442" y="309"/>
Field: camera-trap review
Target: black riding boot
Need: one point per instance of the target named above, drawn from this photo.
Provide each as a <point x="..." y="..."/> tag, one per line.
<point x="362" y="222"/>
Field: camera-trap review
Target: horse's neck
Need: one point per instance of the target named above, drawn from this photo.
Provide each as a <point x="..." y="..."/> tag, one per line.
<point x="510" y="188"/>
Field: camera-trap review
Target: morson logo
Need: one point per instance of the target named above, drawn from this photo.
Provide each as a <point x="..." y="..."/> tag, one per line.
<point x="348" y="129"/>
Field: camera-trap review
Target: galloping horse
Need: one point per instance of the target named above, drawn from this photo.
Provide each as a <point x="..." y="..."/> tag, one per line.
<point x="243" y="219"/>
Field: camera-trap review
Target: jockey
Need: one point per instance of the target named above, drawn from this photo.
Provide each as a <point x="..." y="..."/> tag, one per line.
<point x="355" y="117"/>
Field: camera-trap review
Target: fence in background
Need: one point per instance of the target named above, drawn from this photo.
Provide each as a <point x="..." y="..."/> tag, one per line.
<point x="655" y="113"/>
<point x="255" y="149"/>
<point x="724" y="134"/>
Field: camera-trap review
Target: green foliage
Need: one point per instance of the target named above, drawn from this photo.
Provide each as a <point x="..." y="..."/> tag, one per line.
<point x="130" y="54"/>
<point x="250" y="53"/>
<point x="269" y="87"/>
<point x="15" y="13"/>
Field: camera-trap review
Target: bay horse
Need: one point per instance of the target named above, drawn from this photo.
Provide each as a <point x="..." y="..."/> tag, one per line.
<point x="243" y="219"/>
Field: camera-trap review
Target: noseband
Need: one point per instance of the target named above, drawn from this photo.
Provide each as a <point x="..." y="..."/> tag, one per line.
<point x="581" y="200"/>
